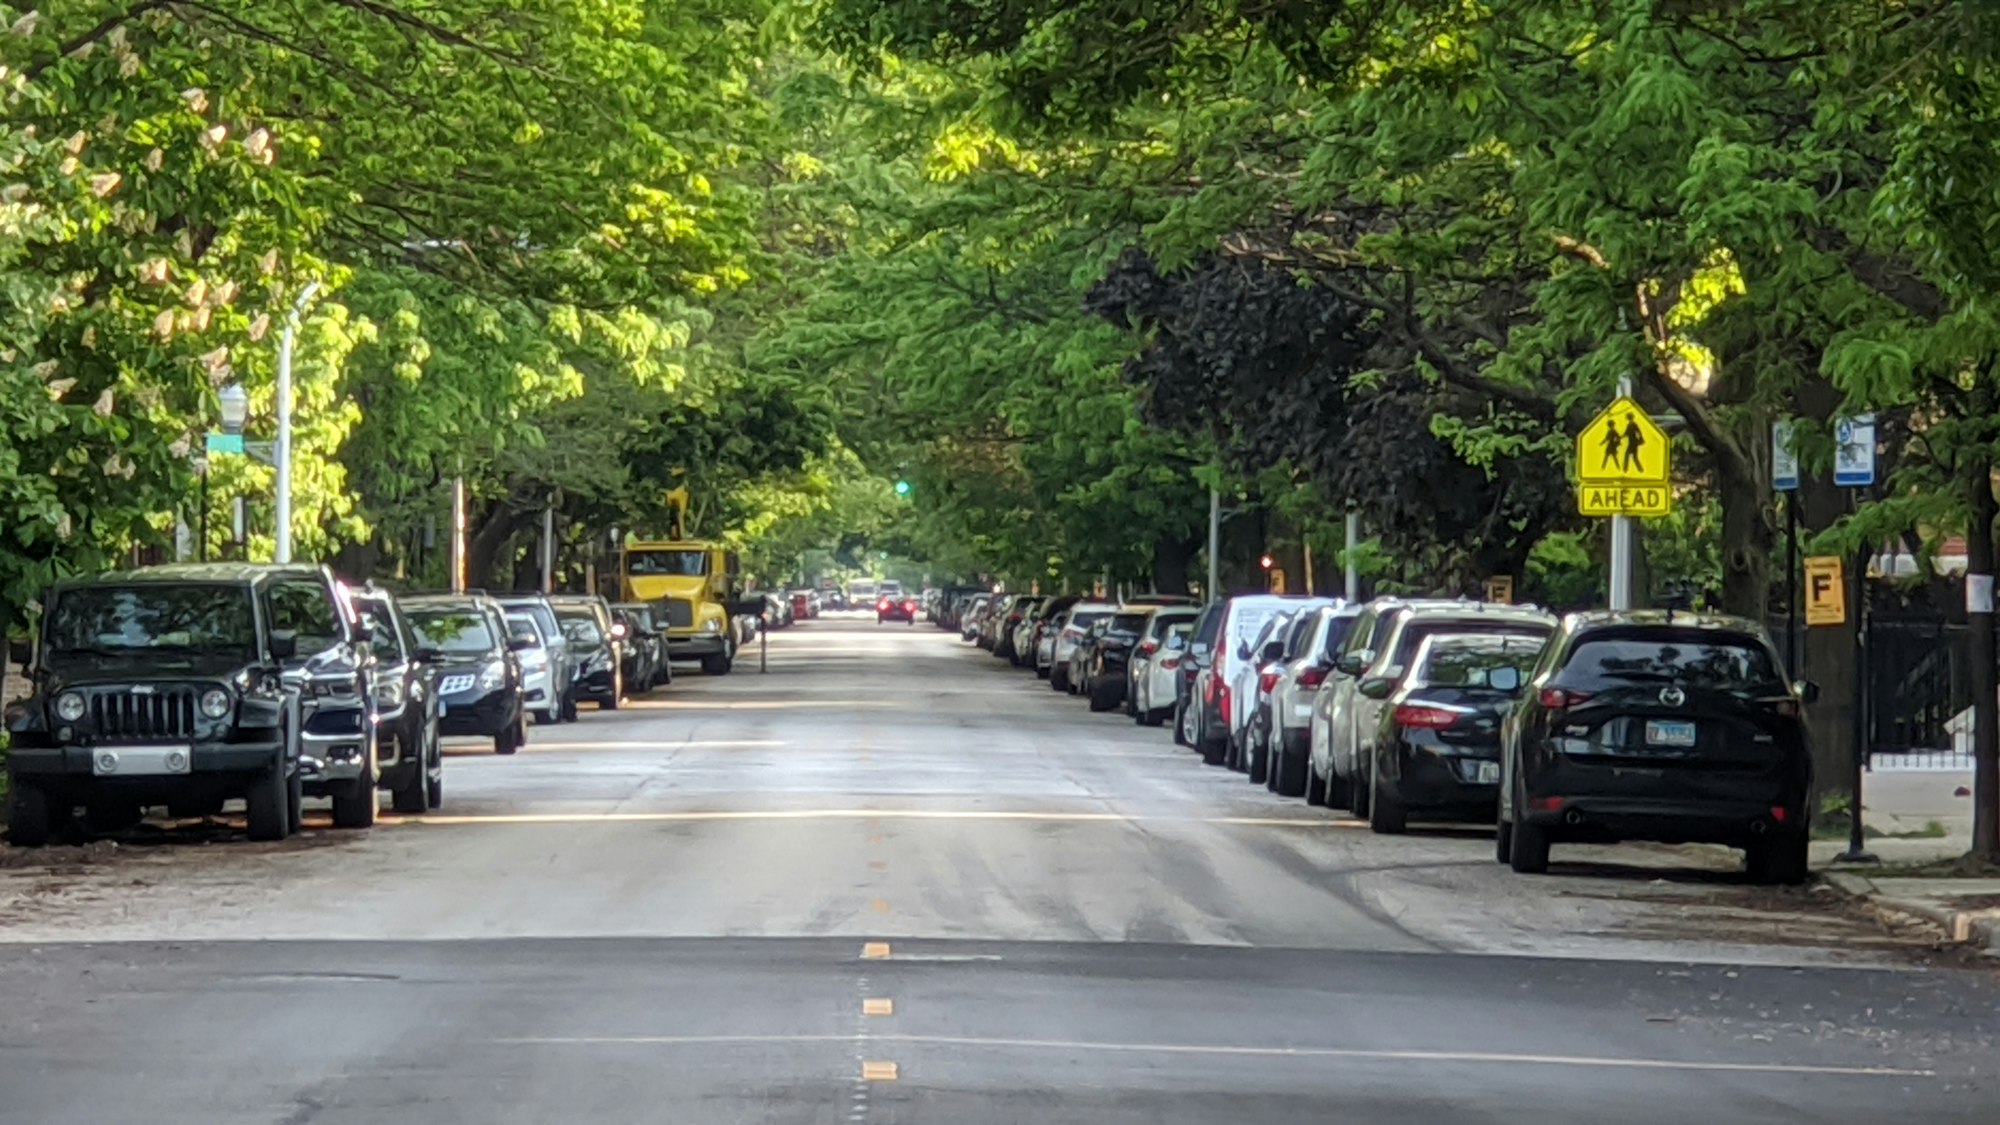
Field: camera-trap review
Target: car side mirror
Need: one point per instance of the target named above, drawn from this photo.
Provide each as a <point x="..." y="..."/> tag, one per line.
<point x="284" y="644"/>
<point x="520" y="644"/>
<point x="1807" y="691"/>
<point x="1274" y="650"/>
<point x="1243" y="651"/>
<point x="1349" y="665"/>
<point x="1376" y="687"/>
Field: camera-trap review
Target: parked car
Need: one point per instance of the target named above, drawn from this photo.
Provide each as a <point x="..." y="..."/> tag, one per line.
<point x="408" y="760"/>
<point x="1399" y="631"/>
<point x="1436" y="749"/>
<point x="1048" y="622"/>
<point x="1200" y="650"/>
<point x="1288" y="705"/>
<point x="465" y="638"/>
<point x="1156" y="664"/>
<point x="1653" y="725"/>
<point x="187" y="686"/>
<point x="802" y="605"/>
<point x="1008" y="645"/>
<point x="973" y="614"/>
<point x="565" y="665"/>
<point x="1260" y="732"/>
<point x="537" y="675"/>
<point x="645" y="663"/>
<point x="1218" y="708"/>
<point x="1074" y="623"/>
<point x="1108" y="659"/>
<point x="587" y="625"/>
<point x="988" y="632"/>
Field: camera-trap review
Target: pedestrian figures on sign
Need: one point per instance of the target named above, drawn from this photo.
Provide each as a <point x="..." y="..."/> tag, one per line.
<point x="1611" y="444"/>
<point x="1635" y="440"/>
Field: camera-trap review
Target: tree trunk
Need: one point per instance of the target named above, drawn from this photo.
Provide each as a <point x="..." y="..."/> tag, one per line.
<point x="1829" y="654"/>
<point x="1976" y="472"/>
<point x="1171" y="558"/>
<point x="1748" y="539"/>
<point x="485" y="546"/>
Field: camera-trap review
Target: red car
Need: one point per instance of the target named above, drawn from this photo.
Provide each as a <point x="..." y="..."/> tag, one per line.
<point x="896" y="609"/>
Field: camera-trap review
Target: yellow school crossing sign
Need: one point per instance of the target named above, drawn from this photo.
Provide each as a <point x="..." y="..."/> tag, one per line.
<point x="1623" y="460"/>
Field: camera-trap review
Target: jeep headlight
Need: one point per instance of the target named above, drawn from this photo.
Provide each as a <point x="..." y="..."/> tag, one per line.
<point x="69" y="707"/>
<point x="389" y="693"/>
<point x="215" y="703"/>
<point x="493" y="676"/>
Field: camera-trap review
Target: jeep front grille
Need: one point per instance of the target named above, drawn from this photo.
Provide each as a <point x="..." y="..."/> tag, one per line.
<point x="680" y="613"/>
<point x="133" y="715"/>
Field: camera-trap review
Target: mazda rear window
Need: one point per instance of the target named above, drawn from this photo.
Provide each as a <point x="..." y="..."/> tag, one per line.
<point x="1685" y="657"/>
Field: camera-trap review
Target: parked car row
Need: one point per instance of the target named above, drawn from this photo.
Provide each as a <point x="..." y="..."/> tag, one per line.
<point x="187" y="686"/>
<point x="1596" y="727"/>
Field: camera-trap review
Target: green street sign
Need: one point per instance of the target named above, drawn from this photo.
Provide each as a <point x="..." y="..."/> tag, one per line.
<point x="225" y="443"/>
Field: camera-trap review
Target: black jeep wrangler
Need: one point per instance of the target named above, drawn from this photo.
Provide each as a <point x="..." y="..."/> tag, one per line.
<point x="186" y="686"/>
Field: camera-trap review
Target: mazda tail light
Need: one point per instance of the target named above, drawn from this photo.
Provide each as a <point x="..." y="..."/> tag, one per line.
<point x="1557" y="699"/>
<point x="1171" y="663"/>
<point x="1312" y="677"/>
<point x="1266" y="681"/>
<point x="1426" y="718"/>
<point x="1149" y="648"/>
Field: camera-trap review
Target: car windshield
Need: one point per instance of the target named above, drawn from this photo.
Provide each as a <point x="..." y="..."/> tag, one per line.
<point x="1084" y="619"/>
<point x="581" y="628"/>
<point x="382" y="636"/>
<point x="523" y="628"/>
<point x="676" y="563"/>
<point x="1469" y="662"/>
<point x="1131" y="623"/>
<point x="1685" y="657"/>
<point x="453" y="631"/>
<point x="206" y="617"/>
<point x="1338" y="628"/>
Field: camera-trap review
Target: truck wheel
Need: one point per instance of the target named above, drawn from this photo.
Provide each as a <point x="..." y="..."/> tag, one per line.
<point x="295" y="802"/>
<point x="32" y="821"/>
<point x="356" y="807"/>
<point x="718" y="664"/>
<point x="409" y="797"/>
<point x="269" y="800"/>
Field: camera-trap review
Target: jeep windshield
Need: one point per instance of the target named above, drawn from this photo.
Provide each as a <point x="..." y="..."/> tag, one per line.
<point x="453" y="632"/>
<point x="120" y="619"/>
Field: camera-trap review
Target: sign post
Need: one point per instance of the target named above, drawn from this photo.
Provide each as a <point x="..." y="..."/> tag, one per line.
<point x="1854" y="467"/>
<point x="1785" y="479"/>
<point x="1624" y="468"/>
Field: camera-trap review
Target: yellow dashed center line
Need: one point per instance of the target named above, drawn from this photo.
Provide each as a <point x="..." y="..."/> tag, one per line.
<point x="878" y="1006"/>
<point x="879" y="906"/>
<point x="878" y="1070"/>
<point x="876" y="951"/>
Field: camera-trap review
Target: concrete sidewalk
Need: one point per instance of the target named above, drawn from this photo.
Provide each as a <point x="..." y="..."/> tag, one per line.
<point x="1968" y="910"/>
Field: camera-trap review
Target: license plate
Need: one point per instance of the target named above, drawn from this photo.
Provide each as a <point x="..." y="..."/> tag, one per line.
<point x="1486" y="773"/>
<point x="141" y="761"/>
<point x="1669" y="732"/>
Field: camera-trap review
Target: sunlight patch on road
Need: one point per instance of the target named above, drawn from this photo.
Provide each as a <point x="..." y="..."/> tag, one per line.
<point x="830" y="703"/>
<point x="866" y="814"/>
<point x="695" y="744"/>
<point x="1490" y="1058"/>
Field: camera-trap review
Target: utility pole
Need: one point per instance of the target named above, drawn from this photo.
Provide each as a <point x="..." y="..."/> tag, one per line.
<point x="458" y="535"/>
<point x="283" y="452"/>
<point x="1351" y="555"/>
<point x="549" y="548"/>
<point x="1214" y="544"/>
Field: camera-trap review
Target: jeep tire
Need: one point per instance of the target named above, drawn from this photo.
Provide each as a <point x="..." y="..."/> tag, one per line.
<point x="354" y="806"/>
<point x="32" y="820"/>
<point x="269" y="803"/>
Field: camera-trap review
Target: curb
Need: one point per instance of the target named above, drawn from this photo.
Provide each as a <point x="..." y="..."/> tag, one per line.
<point x="1977" y="928"/>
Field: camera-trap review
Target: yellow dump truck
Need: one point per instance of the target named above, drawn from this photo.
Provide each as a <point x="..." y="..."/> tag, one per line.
<point x="696" y="583"/>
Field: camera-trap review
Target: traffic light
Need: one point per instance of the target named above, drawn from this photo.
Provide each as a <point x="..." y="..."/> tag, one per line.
<point x="902" y="488"/>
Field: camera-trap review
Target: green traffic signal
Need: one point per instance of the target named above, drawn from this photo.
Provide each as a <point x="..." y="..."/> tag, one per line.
<point x="902" y="488"/>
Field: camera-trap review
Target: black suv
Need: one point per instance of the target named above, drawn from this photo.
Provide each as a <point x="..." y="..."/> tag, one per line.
<point x="408" y="758"/>
<point x="471" y="651"/>
<point x="187" y="686"/>
<point x="1653" y="725"/>
<point x="646" y="665"/>
<point x="600" y="654"/>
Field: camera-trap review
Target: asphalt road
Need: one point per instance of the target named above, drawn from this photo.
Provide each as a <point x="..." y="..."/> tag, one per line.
<point x="892" y="880"/>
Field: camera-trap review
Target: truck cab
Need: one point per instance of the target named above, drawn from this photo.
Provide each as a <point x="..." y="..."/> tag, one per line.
<point x="693" y="582"/>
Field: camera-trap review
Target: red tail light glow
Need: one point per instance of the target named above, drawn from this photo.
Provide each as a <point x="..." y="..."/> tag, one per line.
<point x="1427" y="718"/>
<point x="1171" y="663"/>
<point x="1266" y="681"/>
<point x="1312" y="677"/>
<point x="883" y="604"/>
<point x="910" y="605"/>
<point x="1556" y="699"/>
<point x="1149" y="648"/>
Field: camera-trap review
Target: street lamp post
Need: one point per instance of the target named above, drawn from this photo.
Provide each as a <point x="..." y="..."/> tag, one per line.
<point x="235" y="411"/>
<point x="283" y="452"/>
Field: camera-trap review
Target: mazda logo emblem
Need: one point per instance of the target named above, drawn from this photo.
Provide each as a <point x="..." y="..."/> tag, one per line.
<point x="1673" y="696"/>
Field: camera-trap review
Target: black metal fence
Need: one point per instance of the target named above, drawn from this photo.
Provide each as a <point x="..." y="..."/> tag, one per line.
<point x="1919" y="678"/>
